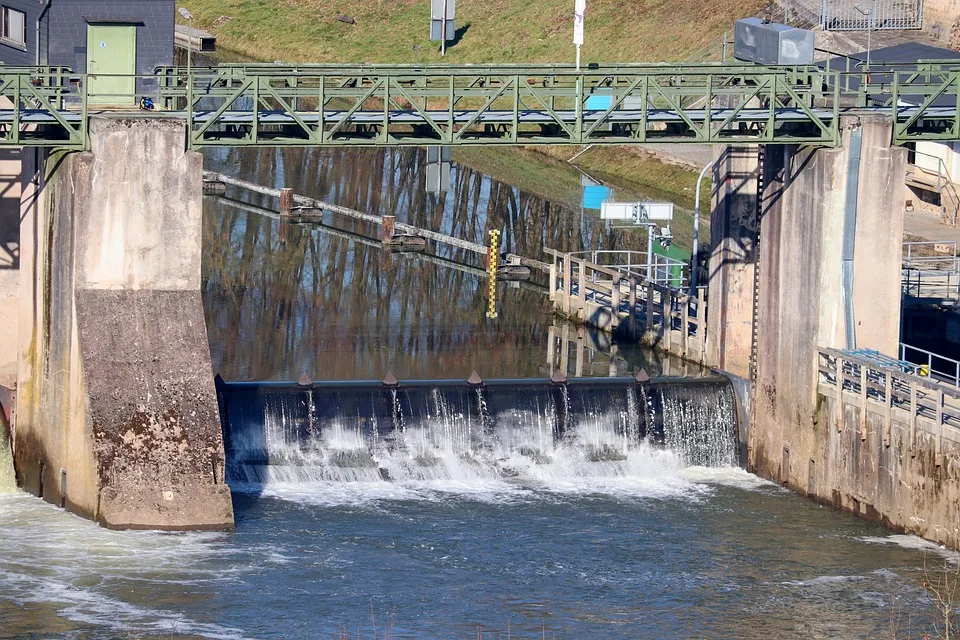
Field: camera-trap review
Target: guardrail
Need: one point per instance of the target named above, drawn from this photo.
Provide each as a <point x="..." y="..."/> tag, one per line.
<point x="931" y="365"/>
<point x="604" y="297"/>
<point x="945" y="185"/>
<point x="929" y="274"/>
<point x="661" y="270"/>
<point x="881" y="386"/>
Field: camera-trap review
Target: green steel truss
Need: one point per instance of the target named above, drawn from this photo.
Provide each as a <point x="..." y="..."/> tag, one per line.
<point x="325" y="105"/>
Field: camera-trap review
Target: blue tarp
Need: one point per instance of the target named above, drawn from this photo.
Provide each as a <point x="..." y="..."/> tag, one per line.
<point x="594" y="196"/>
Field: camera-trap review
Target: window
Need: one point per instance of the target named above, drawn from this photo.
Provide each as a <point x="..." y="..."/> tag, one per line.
<point x="14" y="26"/>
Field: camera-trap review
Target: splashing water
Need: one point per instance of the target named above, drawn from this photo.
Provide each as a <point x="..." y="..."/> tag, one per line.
<point x="536" y="435"/>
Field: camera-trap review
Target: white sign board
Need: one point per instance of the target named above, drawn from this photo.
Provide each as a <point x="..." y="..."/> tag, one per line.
<point x="579" y="9"/>
<point x="637" y="212"/>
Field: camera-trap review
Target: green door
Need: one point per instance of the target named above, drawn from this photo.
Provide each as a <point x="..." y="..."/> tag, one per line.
<point x="111" y="64"/>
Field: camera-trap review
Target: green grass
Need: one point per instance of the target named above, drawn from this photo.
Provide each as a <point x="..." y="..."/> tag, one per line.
<point x="558" y="181"/>
<point x="492" y="30"/>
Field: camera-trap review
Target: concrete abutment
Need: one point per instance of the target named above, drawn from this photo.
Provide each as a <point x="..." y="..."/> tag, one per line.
<point x="117" y="416"/>
<point x="828" y="263"/>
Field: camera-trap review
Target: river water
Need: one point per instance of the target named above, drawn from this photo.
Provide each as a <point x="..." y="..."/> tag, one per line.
<point x="490" y="542"/>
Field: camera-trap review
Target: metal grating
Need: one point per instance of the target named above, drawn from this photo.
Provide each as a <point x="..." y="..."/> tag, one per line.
<point x="861" y="15"/>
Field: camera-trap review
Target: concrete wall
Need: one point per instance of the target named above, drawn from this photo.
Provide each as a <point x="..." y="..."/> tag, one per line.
<point x="116" y="392"/>
<point x="733" y="228"/>
<point x="9" y="263"/>
<point x="801" y="297"/>
<point x="899" y="483"/>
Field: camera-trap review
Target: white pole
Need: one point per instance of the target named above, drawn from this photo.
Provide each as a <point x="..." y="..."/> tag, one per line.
<point x="696" y="232"/>
<point x="650" y="228"/>
<point x="443" y="30"/>
<point x="578" y="57"/>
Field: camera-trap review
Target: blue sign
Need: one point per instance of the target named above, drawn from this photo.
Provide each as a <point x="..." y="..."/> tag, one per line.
<point x="594" y="196"/>
<point x="598" y="103"/>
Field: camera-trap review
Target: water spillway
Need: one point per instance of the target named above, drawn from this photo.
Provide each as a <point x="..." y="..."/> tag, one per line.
<point x="357" y="431"/>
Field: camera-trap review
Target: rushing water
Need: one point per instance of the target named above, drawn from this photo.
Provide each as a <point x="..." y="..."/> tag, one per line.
<point x="436" y="513"/>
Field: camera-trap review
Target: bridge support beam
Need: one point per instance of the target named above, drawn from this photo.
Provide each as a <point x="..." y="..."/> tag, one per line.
<point x="117" y="414"/>
<point x="822" y="207"/>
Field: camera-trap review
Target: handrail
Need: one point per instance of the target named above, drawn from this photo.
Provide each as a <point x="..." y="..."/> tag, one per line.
<point x="934" y="365"/>
<point x="943" y="178"/>
<point x="894" y="386"/>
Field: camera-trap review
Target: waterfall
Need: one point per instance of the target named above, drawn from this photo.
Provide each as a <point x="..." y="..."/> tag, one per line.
<point x="529" y="429"/>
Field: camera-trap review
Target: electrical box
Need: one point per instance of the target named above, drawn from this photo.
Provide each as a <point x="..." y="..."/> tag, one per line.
<point x="771" y="43"/>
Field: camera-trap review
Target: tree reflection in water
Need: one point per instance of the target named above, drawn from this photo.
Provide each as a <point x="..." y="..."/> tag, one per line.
<point x="336" y="308"/>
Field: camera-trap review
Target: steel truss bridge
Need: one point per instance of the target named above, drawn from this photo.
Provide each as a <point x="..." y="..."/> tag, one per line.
<point x="392" y="105"/>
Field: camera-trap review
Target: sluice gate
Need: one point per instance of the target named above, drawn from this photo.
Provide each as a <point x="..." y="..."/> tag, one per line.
<point x="370" y="431"/>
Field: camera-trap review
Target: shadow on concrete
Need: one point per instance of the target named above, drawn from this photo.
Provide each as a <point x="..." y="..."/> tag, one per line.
<point x="10" y="209"/>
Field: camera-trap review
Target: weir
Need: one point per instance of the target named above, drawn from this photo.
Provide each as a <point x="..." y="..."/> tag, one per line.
<point x="291" y="432"/>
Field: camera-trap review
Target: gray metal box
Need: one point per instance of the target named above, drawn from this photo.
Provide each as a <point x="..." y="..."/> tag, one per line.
<point x="436" y="30"/>
<point x="771" y="43"/>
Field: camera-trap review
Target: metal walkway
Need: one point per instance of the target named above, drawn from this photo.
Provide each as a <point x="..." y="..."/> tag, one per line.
<point x="322" y="105"/>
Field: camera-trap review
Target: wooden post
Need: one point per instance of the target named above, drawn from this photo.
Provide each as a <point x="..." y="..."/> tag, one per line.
<point x="564" y="348"/>
<point x="667" y="324"/>
<point x="648" y="313"/>
<point x="582" y="290"/>
<point x="553" y="281"/>
<point x="839" y="361"/>
<point x="387" y="229"/>
<point x="633" y="308"/>
<point x="615" y="298"/>
<point x="684" y="324"/>
<point x="863" y="402"/>
<point x="578" y="371"/>
<point x="286" y="201"/>
<point x="566" y="287"/>
<point x="551" y="347"/>
<point x="702" y="324"/>
<point x="888" y="407"/>
<point x="286" y="204"/>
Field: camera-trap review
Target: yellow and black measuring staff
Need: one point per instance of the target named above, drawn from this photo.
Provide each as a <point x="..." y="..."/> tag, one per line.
<point x="492" y="271"/>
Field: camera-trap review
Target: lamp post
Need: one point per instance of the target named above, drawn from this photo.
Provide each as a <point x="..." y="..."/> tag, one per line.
<point x="695" y="264"/>
<point x="186" y="15"/>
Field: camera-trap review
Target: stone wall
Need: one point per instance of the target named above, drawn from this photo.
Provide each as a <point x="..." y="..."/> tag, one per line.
<point x="116" y="412"/>
<point x="9" y="262"/>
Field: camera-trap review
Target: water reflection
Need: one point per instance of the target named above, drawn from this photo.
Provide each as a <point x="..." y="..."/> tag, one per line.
<point x="332" y="305"/>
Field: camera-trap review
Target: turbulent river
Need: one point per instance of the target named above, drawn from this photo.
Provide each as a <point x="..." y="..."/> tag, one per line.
<point x="439" y="513"/>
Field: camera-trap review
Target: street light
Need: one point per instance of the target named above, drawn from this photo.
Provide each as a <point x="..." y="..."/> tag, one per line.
<point x="695" y="265"/>
<point x="186" y="15"/>
<point x="872" y="17"/>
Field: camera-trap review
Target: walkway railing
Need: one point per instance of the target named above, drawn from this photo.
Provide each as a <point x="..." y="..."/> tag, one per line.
<point x="661" y="270"/>
<point x="930" y="274"/>
<point x="882" y="386"/>
<point x="931" y="365"/>
<point x="607" y="298"/>
<point x="946" y="188"/>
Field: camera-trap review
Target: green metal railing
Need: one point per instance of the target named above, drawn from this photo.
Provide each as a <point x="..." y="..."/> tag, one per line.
<point x="331" y="105"/>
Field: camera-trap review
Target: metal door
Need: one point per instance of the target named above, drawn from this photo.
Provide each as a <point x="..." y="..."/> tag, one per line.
<point x="111" y="64"/>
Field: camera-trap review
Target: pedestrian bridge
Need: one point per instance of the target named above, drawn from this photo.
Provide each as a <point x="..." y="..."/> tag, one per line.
<point x="391" y="105"/>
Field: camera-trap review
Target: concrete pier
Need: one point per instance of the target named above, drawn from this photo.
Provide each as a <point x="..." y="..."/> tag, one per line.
<point x="117" y="411"/>
<point x="824" y="212"/>
<point x="732" y="265"/>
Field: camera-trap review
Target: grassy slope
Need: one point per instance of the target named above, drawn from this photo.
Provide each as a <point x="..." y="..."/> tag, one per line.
<point x="495" y="30"/>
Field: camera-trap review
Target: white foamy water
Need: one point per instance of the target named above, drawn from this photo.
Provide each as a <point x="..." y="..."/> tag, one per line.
<point x="54" y="561"/>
